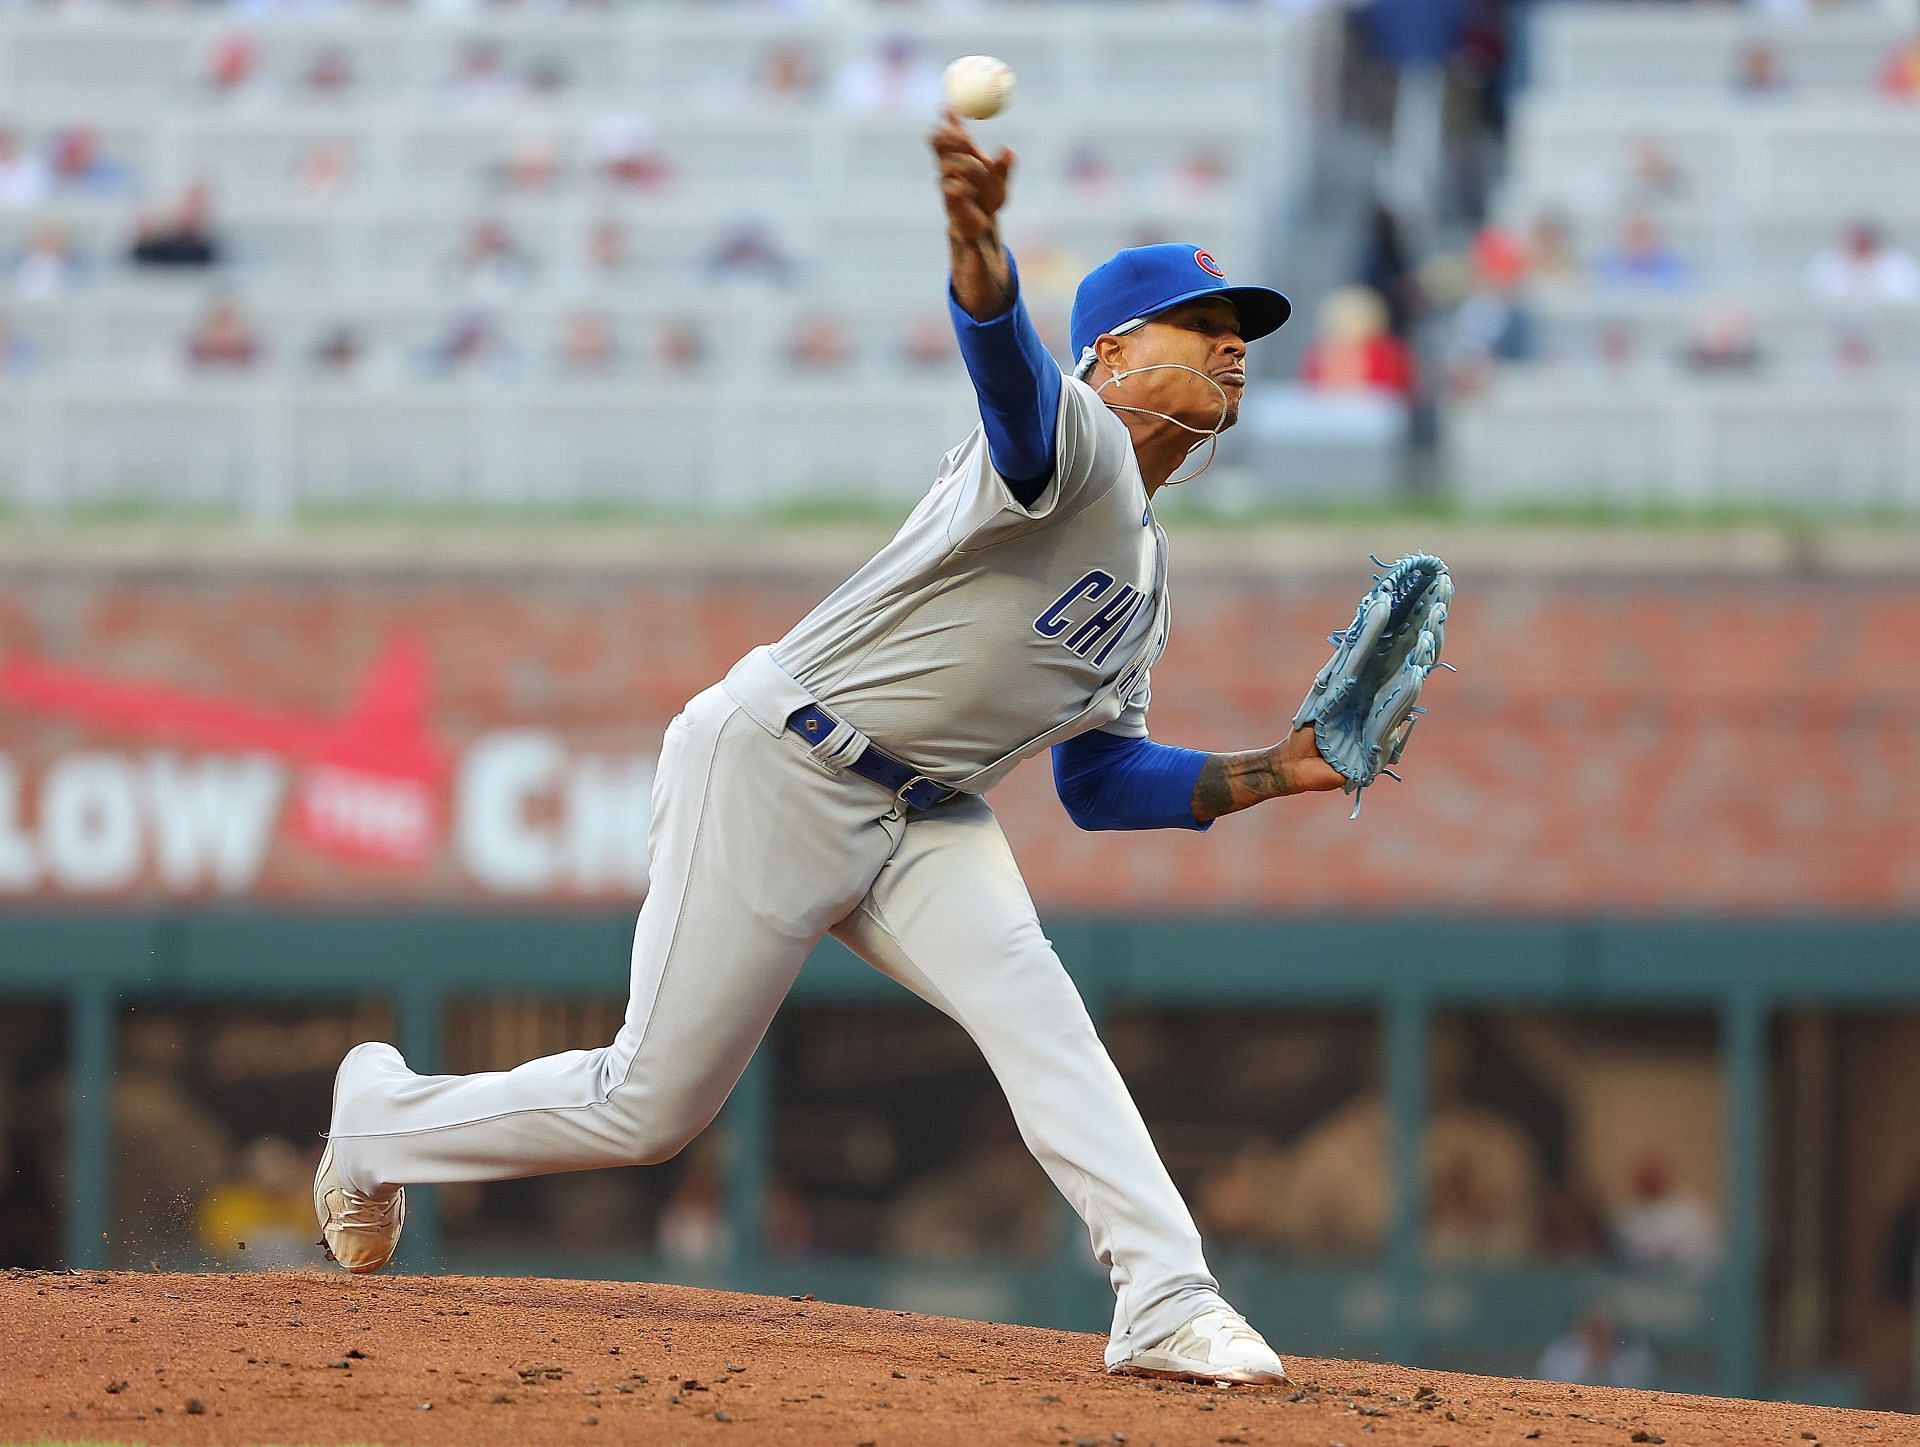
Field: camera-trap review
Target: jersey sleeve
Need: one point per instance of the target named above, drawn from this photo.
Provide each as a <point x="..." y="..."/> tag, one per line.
<point x="1018" y="384"/>
<point x="1091" y="449"/>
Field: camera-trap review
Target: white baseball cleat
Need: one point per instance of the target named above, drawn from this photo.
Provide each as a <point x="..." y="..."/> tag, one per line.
<point x="360" y="1232"/>
<point x="1216" y="1346"/>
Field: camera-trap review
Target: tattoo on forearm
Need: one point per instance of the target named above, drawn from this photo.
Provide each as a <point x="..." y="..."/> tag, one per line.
<point x="1231" y="782"/>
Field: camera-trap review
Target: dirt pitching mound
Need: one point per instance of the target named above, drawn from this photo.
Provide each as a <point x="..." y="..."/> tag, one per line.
<point x="322" y="1358"/>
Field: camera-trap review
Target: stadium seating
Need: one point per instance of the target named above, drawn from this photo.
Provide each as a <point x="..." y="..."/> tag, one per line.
<point x="350" y="204"/>
<point x="1654" y="51"/>
<point x="1715" y="443"/>
<point x="1646" y="111"/>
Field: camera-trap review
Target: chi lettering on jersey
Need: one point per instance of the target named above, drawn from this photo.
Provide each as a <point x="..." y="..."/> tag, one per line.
<point x="1093" y="613"/>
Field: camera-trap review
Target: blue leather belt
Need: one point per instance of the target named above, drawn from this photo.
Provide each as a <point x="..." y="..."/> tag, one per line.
<point x="913" y="789"/>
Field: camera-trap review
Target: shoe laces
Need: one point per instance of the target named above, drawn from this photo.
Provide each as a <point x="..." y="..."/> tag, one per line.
<point x="364" y="1210"/>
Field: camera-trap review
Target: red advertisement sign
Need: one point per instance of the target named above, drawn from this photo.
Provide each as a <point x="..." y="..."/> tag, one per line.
<point x="359" y="736"/>
<point x="366" y="784"/>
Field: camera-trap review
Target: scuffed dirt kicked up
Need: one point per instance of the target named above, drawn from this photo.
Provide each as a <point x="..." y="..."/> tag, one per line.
<point x="323" y="1359"/>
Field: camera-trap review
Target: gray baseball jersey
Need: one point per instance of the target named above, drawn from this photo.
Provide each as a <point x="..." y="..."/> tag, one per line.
<point x="987" y="631"/>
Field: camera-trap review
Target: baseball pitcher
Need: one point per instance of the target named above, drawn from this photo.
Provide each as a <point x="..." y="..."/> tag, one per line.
<point x="833" y="783"/>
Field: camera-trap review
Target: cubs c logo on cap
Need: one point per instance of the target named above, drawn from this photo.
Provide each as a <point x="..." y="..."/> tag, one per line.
<point x="1205" y="261"/>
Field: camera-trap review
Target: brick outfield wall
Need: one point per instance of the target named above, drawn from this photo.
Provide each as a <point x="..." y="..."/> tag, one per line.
<point x="1741" y="745"/>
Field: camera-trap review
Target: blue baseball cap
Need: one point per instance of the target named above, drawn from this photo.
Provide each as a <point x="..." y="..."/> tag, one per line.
<point x="1142" y="281"/>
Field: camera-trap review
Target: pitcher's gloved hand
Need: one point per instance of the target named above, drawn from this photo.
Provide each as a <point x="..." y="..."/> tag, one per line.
<point x="1365" y="701"/>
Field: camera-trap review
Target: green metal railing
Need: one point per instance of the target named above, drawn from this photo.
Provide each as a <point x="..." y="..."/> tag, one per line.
<point x="1405" y="969"/>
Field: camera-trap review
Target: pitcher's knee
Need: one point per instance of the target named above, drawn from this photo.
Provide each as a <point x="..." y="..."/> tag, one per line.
<point x="662" y="1146"/>
<point x="652" y="1132"/>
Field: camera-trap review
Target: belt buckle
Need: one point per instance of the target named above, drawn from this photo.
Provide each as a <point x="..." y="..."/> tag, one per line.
<point x="900" y="794"/>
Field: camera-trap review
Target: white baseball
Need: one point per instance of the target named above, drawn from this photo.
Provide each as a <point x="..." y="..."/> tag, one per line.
<point x="978" y="86"/>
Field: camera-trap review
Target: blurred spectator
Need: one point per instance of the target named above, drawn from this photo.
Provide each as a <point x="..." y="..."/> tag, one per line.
<point x="1900" y="72"/>
<point x="1894" y="1341"/>
<point x="1196" y="178"/>
<point x="1854" y="351"/>
<point x="472" y="344"/>
<point x="546" y="78"/>
<point x="1597" y="1353"/>
<point x="532" y="163"/>
<point x="322" y="171"/>
<point x="819" y="344"/>
<point x="789" y="1223"/>
<point x="183" y="238"/>
<point x="1236" y="1203"/>
<point x="1663" y="1225"/>
<point x="263" y="1215"/>
<point x="80" y="164"/>
<point x="47" y="265"/>
<point x="1417" y="38"/>
<point x="1616" y="347"/>
<point x="31" y="1147"/>
<point x="231" y="62"/>
<point x="18" y="355"/>
<point x="679" y="346"/>
<point x="607" y="254"/>
<point x="692" y="1229"/>
<point x="491" y="263"/>
<point x="328" y="73"/>
<point x="1652" y="172"/>
<point x="1759" y="71"/>
<point x="1573" y="1227"/>
<point x="1721" y="339"/>
<point x="789" y="74"/>
<point x="586" y="345"/>
<point x="1329" y="1192"/>
<point x="223" y="341"/>
<point x="1354" y="351"/>
<point x="1494" y="324"/>
<point x="1862" y="267"/>
<point x="1467" y="1219"/>
<point x="479" y="78"/>
<point x="747" y="251"/>
<point x="624" y="152"/>
<point x="928" y="344"/>
<point x="1642" y="260"/>
<point x="1090" y="176"/>
<point x="339" y="350"/>
<point x="1482" y="64"/>
<point x="990" y="1198"/>
<point x="894" y="80"/>
<point x="278" y="9"/>
<point x="1900" y="1249"/>
<point x="167" y="1143"/>
<point x="1387" y="267"/>
<point x="1551" y="259"/>
<point x="24" y="178"/>
<point x="1049" y="269"/>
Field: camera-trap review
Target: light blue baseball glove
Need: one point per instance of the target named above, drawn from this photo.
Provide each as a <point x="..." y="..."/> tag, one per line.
<point x="1365" y="702"/>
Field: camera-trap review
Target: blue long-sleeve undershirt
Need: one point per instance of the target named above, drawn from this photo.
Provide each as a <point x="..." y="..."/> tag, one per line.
<point x="1106" y="781"/>
<point x="1110" y="782"/>
<point x="1018" y="384"/>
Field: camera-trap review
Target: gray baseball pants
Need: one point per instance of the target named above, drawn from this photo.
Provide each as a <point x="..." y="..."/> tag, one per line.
<point x="757" y="851"/>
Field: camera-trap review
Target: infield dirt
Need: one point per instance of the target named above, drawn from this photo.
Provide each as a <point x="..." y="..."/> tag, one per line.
<point x="320" y="1359"/>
